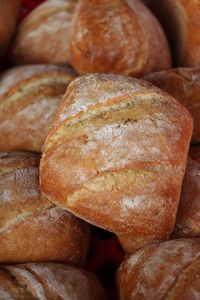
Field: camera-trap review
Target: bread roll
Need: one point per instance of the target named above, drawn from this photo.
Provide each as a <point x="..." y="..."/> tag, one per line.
<point x="32" y="229"/>
<point x="184" y="85"/>
<point x="168" y="271"/>
<point x="188" y="216"/>
<point x="43" y="36"/>
<point x="118" y="149"/>
<point x="8" y="18"/>
<point x="48" y="281"/>
<point x="120" y="37"/>
<point x="29" y="97"/>
<point x="181" y="21"/>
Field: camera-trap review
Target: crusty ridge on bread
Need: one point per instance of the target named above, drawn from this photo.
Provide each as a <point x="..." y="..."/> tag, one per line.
<point x="164" y="270"/>
<point x="29" y="222"/>
<point x="48" y="281"/>
<point x="29" y="96"/>
<point x="118" y="148"/>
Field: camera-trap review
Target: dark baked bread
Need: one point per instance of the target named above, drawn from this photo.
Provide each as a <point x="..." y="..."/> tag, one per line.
<point x="29" y="96"/>
<point x="188" y="216"/>
<point x="181" y="21"/>
<point x="162" y="271"/>
<point x="32" y="229"/>
<point x="121" y="37"/>
<point x="118" y="149"/>
<point x="48" y="281"/>
<point x="184" y="85"/>
<point x="8" y="18"/>
<point x="43" y="36"/>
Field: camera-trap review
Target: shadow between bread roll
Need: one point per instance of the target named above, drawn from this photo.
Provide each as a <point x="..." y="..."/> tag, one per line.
<point x="29" y="96"/>
<point x="188" y="216"/>
<point x="8" y="19"/>
<point x="181" y="21"/>
<point x="184" y="85"/>
<point x="48" y="281"/>
<point x="168" y="271"/>
<point x="116" y="155"/>
<point x="120" y="37"/>
<point x="43" y="36"/>
<point x="32" y="229"/>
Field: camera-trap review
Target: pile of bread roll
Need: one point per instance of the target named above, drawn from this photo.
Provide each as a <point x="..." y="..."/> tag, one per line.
<point x="100" y="126"/>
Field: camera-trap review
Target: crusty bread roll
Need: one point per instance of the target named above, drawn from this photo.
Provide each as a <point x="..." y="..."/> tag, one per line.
<point x="120" y="37"/>
<point x="184" y="85"/>
<point x="118" y="150"/>
<point x="31" y="228"/>
<point x="188" y="216"/>
<point x="29" y="96"/>
<point x="181" y="21"/>
<point x="8" y="18"/>
<point x="43" y="36"/>
<point x="162" y="271"/>
<point x="48" y="281"/>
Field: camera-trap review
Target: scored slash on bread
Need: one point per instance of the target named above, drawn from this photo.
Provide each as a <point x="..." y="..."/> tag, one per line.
<point x="168" y="271"/>
<point x="115" y="156"/>
<point x="38" y="229"/>
<point x="48" y="281"/>
<point x="29" y="97"/>
<point x="131" y="180"/>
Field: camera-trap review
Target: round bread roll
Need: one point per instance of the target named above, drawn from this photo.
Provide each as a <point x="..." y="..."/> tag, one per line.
<point x="48" y="281"/>
<point x="115" y="156"/>
<point x="184" y="85"/>
<point x="120" y="37"/>
<point x="29" y="96"/>
<point x="8" y="18"/>
<point x="181" y="21"/>
<point x="162" y="271"/>
<point x="188" y="216"/>
<point x="32" y="229"/>
<point x="43" y="36"/>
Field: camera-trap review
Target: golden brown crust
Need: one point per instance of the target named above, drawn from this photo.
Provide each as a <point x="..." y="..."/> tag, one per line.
<point x="43" y="37"/>
<point x="29" y="96"/>
<point x="188" y="216"/>
<point x="184" y="85"/>
<point x="48" y="281"/>
<point x="188" y="283"/>
<point x="118" y="149"/>
<point x="8" y="19"/>
<point x="162" y="271"/>
<point x="181" y="21"/>
<point x="32" y="228"/>
<point x="120" y="37"/>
